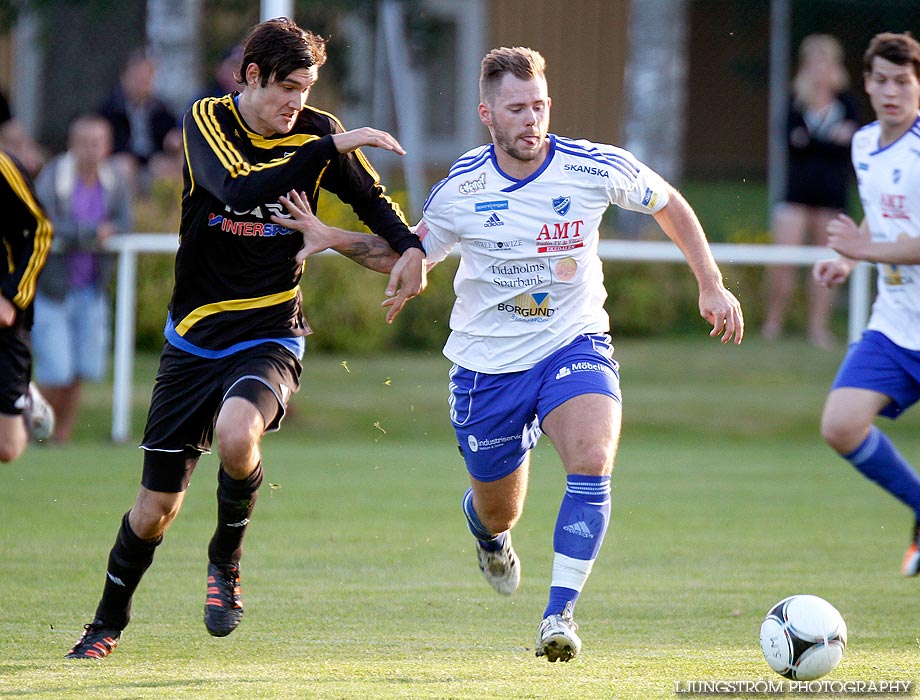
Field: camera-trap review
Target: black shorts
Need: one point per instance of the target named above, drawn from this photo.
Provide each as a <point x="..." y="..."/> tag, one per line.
<point x="15" y="368"/>
<point x="816" y="184"/>
<point x="187" y="397"/>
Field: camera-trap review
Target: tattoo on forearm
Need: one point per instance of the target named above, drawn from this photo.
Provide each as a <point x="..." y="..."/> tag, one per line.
<point x="374" y="254"/>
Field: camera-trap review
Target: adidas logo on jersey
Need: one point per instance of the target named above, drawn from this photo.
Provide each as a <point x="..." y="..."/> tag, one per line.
<point x="493" y="221"/>
<point x="580" y="528"/>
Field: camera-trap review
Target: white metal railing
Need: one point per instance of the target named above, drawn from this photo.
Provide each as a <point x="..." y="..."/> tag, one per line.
<point x="129" y="246"/>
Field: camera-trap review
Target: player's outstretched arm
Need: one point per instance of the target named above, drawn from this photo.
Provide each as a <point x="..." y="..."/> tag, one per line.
<point x="365" y="249"/>
<point x="408" y="279"/>
<point x="407" y="271"/>
<point x="833" y="271"/>
<point x="348" y="141"/>
<point x="717" y="305"/>
<point x="855" y="242"/>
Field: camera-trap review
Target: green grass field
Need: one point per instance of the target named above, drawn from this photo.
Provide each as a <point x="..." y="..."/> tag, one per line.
<point x="360" y="578"/>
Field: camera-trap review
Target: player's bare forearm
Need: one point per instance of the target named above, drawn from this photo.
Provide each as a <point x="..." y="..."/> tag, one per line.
<point x="856" y="243"/>
<point x="680" y="224"/>
<point x="367" y="250"/>
<point x="717" y="305"/>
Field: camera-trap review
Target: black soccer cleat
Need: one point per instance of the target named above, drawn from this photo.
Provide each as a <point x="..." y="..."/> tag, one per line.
<point x="223" y="608"/>
<point x="96" y="642"/>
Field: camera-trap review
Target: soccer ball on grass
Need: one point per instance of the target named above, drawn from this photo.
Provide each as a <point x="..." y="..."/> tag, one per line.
<point x="803" y="637"/>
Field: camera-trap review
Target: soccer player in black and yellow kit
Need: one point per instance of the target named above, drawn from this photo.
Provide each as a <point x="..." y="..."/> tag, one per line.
<point x="26" y="233"/>
<point x="235" y="329"/>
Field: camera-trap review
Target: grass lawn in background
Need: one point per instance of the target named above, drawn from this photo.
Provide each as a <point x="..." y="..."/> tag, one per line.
<point x="360" y="578"/>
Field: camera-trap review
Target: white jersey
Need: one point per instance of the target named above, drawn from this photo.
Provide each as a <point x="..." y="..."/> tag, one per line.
<point x="530" y="279"/>
<point x="889" y="188"/>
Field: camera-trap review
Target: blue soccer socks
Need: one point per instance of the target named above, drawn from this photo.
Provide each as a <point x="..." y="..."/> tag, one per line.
<point x="878" y="460"/>
<point x="489" y="541"/>
<point x="580" y="529"/>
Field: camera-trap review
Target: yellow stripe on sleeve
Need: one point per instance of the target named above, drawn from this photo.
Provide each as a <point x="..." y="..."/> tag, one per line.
<point x="229" y="157"/>
<point x="43" y="231"/>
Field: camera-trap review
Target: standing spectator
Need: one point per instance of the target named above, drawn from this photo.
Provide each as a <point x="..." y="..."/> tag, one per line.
<point x="881" y="373"/>
<point x="820" y="125"/>
<point x="88" y="203"/>
<point x="143" y="126"/>
<point x="26" y="233"/>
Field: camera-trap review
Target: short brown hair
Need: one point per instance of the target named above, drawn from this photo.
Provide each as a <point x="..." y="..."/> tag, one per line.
<point x="899" y="49"/>
<point x="519" y="61"/>
<point x="279" y="47"/>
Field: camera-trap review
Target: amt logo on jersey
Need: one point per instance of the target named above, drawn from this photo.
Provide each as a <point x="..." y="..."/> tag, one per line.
<point x="895" y="206"/>
<point x="562" y="236"/>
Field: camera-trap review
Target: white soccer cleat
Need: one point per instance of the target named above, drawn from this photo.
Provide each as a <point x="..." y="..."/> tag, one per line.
<point x="556" y="638"/>
<point x="39" y="415"/>
<point x="501" y="567"/>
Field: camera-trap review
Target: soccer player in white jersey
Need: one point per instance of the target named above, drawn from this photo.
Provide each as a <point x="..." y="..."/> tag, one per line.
<point x="529" y="335"/>
<point x="881" y="373"/>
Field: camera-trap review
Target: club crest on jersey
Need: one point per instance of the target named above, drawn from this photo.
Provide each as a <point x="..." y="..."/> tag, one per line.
<point x="473" y="186"/>
<point x="561" y="205"/>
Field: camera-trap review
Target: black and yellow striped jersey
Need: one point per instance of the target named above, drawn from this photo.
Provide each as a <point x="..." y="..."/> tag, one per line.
<point x="237" y="282"/>
<point x="26" y="232"/>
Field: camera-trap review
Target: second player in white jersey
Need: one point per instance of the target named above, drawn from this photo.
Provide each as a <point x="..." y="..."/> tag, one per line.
<point x="889" y="188"/>
<point x="880" y="374"/>
<point x="530" y="279"/>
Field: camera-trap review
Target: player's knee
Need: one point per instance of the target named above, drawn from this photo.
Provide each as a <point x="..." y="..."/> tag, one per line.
<point x="236" y="440"/>
<point x="10" y="451"/>
<point x="499" y="517"/>
<point x="594" y="460"/>
<point x="12" y="444"/>
<point x="842" y="435"/>
<point x="151" y="517"/>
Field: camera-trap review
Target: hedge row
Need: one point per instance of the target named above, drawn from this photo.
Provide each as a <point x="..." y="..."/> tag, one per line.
<point x="342" y="299"/>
